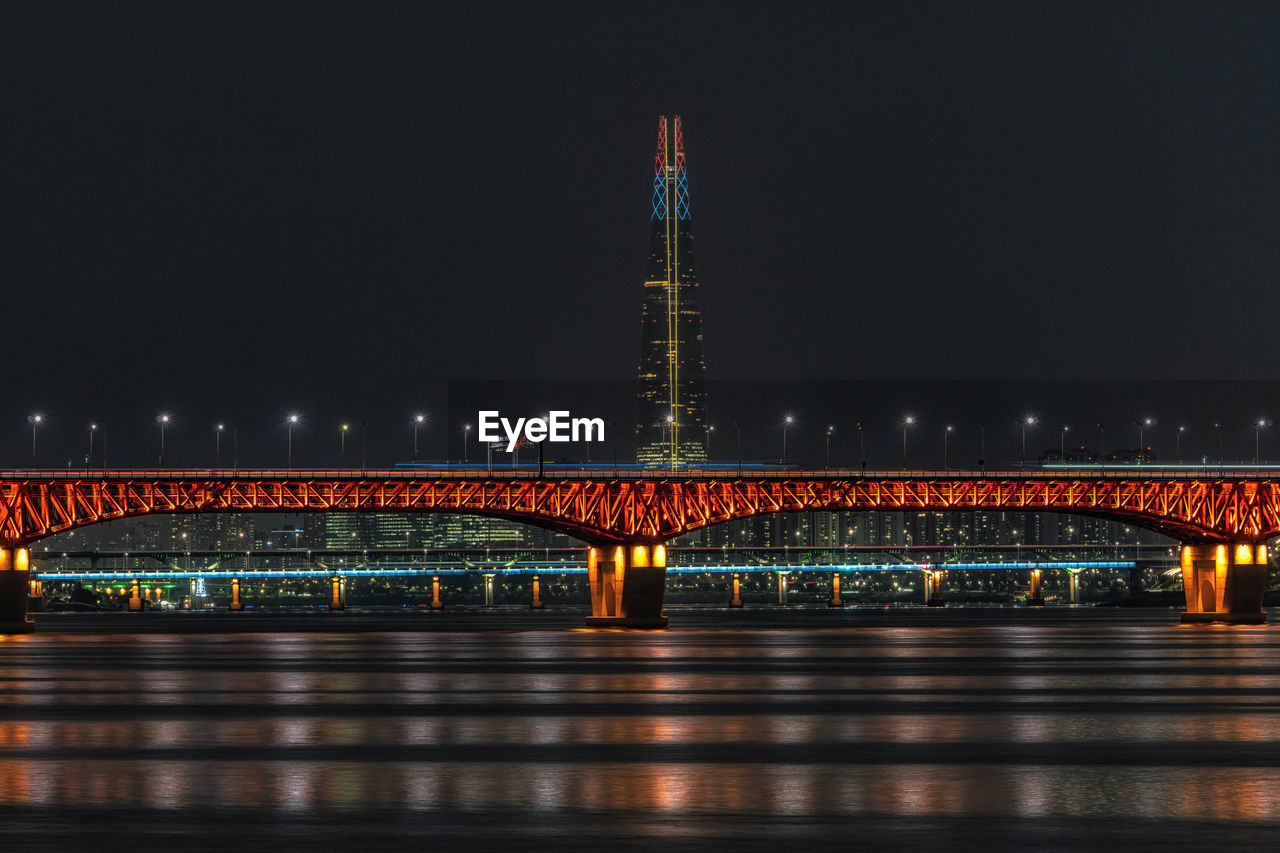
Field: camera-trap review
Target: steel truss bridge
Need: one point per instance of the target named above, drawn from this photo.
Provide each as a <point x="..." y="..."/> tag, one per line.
<point x="1222" y="517"/>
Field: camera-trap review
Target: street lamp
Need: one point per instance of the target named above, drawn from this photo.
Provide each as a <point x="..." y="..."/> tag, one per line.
<point x="946" y="442"/>
<point x="466" y="435"/>
<point x="293" y="419"/>
<point x="163" y="420"/>
<point x="1062" y="444"/>
<point x="35" y="421"/>
<point x="1029" y="420"/>
<point x="786" y="422"/>
<point x="342" y="445"/>
<point x="1178" y="441"/>
<point x="830" y="429"/>
<point x="1142" y="425"/>
<point x="418" y="420"/>
<point x="93" y="429"/>
<point x="706" y="446"/>
<point x="1257" y="429"/>
<point x="906" y="422"/>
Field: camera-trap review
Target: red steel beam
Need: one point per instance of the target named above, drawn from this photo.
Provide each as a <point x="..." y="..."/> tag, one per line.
<point x="645" y="509"/>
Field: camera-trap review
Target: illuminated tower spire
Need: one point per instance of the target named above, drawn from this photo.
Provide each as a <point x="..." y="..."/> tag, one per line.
<point x="672" y="417"/>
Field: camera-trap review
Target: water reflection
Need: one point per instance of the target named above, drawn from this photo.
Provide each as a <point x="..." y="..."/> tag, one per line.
<point x="1149" y="723"/>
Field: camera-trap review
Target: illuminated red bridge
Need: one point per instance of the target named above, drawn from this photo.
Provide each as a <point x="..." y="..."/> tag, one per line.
<point x="1222" y="518"/>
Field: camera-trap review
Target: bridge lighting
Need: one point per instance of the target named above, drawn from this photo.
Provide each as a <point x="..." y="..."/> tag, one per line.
<point x="466" y="435"/>
<point x="163" y="420"/>
<point x="292" y="420"/>
<point x="1028" y="421"/>
<point x="786" y="422"/>
<point x="946" y="439"/>
<point x="34" y="420"/>
<point x="1178" y="441"/>
<point x="906" y="422"/>
<point x="1062" y="444"/>
<point x="1257" y="429"/>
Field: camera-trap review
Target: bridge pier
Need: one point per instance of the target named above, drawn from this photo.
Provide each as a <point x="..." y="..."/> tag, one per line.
<point x="782" y="588"/>
<point x="235" y="595"/>
<point x="933" y="588"/>
<point x="488" y="590"/>
<point x="135" y="596"/>
<point x="15" y="578"/>
<point x="35" y="596"/>
<point x="627" y="583"/>
<point x="1224" y="583"/>
<point x="1073" y="585"/>
<point x="436" y="603"/>
<point x="339" y="600"/>
<point x="536" y="603"/>
<point x="835" y="591"/>
<point x="1035" y="598"/>
<point x="736" y="600"/>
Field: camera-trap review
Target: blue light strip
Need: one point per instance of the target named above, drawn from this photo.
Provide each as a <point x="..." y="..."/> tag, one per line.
<point x="152" y="575"/>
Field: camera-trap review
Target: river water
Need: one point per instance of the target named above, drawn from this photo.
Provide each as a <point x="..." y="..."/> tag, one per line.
<point x="770" y="729"/>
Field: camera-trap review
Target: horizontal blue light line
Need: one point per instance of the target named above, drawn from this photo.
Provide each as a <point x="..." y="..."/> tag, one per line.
<point x="568" y="570"/>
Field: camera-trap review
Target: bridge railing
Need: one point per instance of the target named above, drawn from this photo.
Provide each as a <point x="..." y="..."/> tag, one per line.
<point x="1126" y="472"/>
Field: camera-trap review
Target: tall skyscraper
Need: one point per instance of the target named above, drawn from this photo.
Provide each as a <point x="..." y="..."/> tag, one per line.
<point x="672" y="423"/>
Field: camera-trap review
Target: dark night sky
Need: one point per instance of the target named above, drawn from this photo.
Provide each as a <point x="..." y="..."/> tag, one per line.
<point x="237" y="210"/>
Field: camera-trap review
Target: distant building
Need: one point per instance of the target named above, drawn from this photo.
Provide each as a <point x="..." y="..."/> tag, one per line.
<point x="672" y="425"/>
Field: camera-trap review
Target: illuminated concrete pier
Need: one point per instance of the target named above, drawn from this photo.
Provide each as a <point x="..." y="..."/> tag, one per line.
<point x="15" y="586"/>
<point x="1073" y="585"/>
<point x="35" y="596"/>
<point x="626" y="584"/>
<point x="1224" y="583"/>
<point x="782" y="588"/>
<point x="488" y="590"/>
<point x="933" y="588"/>
<point x="235" y="595"/>
<point x="835" y="601"/>
<point x="339" y="599"/>
<point x="736" y="600"/>
<point x="135" y="596"/>
<point x="536" y="603"/>
<point x="1035" y="597"/>
<point x="436" y="603"/>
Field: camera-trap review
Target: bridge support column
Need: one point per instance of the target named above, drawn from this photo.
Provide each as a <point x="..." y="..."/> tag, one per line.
<point x="627" y="583"/>
<point x="782" y="588"/>
<point x="488" y="590"/>
<point x="35" y="596"/>
<point x="1035" y="598"/>
<point x="835" y="591"/>
<point x="536" y="603"/>
<point x="15" y="580"/>
<point x="1224" y="583"/>
<point x="436" y="603"/>
<point x="1073" y="585"/>
<point x="736" y="600"/>
<point x="339" y="600"/>
<point x="933" y="588"/>
<point x="235" y="595"/>
<point x="135" y="596"/>
<point x="191" y="596"/>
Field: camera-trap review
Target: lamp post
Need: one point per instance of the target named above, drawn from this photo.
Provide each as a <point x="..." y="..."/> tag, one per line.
<point x="862" y="446"/>
<point x="1062" y="444"/>
<point x="1029" y="420"/>
<point x="293" y="419"/>
<point x="163" y="420"/>
<point x="342" y="445"/>
<point x="93" y="429"/>
<point x="217" y="445"/>
<point x="1257" y="441"/>
<point x="35" y="421"/>
<point x="1178" y="441"/>
<point x="706" y="444"/>
<point x="1142" y="426"/>
<point x="906" y="422"/>
<point x="235" y="446"/>
<point x="417" y="422"/>
<point x="466" y="435"/>
<point x="830" y="429"/>
<point x="786" y="422"/>
<point x="946" y="442"/>
<point x="1102" y="434"/>
<point x="737" y="429"/>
